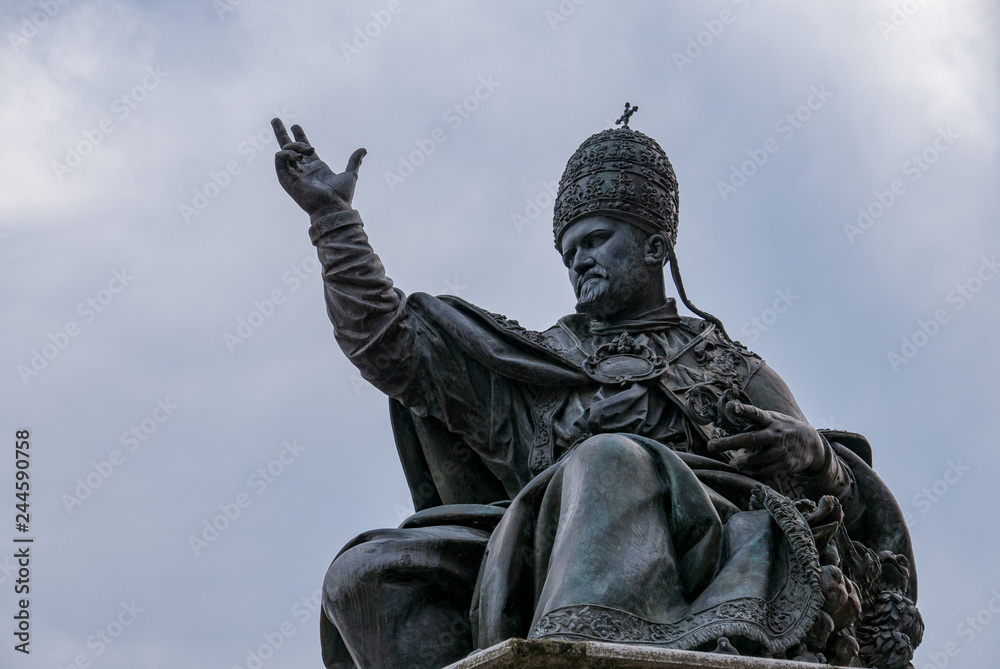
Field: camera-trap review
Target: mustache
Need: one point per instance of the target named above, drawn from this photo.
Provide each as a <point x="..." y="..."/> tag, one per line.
<point x="592" y="273"/>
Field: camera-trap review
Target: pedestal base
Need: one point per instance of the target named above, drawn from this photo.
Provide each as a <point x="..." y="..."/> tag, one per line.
<point x="544" y="654"/>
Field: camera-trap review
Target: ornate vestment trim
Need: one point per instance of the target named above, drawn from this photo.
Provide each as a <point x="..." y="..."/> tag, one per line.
<point x="777" y="624"/>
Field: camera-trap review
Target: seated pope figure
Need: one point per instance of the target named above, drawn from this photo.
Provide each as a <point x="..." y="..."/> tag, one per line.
<point x="628" y="475"/>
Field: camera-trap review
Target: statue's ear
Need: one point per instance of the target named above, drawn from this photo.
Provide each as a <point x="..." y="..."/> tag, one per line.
<point x="657" y="249"/>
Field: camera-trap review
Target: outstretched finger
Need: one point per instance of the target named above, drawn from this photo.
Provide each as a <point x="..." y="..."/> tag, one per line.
<point x="280" y="133"/>
<point x="355" y="161"/>
<point x="299" y="134"/>
<point x="752" y="413"/>
<point x="734" y="442"/>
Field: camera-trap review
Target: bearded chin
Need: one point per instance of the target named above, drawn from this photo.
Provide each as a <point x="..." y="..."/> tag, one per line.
<point x="614" y="295"/>
<point x="593" y="299"/>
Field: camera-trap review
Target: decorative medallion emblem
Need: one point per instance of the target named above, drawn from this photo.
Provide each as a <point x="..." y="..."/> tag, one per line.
<point x="624" y="360"/>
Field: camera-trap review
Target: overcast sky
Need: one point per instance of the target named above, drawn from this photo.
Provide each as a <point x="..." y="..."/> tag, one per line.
<point x="141" y="224"/>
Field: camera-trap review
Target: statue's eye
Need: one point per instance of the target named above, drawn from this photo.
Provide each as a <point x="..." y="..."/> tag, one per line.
<point x="596" y="240"/>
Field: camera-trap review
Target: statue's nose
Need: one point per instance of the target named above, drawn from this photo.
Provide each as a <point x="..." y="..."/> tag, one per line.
<point x="582" y="262"/>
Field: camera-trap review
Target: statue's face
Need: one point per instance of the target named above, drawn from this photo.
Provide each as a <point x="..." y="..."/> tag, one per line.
<point x="606" y="262"/>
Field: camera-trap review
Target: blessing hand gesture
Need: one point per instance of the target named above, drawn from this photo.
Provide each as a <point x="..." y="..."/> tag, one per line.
<point x="311" y="183"/>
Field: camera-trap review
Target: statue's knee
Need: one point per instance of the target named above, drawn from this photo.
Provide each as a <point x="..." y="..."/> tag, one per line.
<point x="609" y="451"/>
<point x="353" y="568"/>
<point x="609" y="454"/>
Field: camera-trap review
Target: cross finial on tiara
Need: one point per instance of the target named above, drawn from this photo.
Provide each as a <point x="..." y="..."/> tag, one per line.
<point x="629" y="110"/>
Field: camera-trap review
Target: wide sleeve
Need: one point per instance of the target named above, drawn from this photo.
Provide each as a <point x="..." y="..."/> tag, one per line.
<point x="394" y="347"/>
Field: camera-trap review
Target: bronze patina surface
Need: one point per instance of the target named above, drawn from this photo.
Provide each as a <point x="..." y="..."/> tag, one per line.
<point x="628" y="475"/>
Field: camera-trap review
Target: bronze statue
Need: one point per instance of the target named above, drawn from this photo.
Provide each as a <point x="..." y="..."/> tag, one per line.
<point x="628" y="475"/>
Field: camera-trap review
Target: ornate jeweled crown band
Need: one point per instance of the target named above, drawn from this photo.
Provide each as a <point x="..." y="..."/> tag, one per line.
<point x="623" y="173"/>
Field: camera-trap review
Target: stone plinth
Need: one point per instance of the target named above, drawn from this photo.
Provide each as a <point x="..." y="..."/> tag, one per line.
<point x="544" y="654"/>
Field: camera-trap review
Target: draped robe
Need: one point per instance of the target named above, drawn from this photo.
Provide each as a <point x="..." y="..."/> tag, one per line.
<point x="553" y="505"/>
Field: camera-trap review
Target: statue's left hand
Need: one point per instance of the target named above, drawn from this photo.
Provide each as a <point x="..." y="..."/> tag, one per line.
<point x="780" y="445"/>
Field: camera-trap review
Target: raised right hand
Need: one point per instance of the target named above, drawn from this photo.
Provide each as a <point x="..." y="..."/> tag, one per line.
<point x="311" y="183"/>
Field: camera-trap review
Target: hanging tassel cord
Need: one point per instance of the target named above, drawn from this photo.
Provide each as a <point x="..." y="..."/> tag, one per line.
<point x="675" y="273"/>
